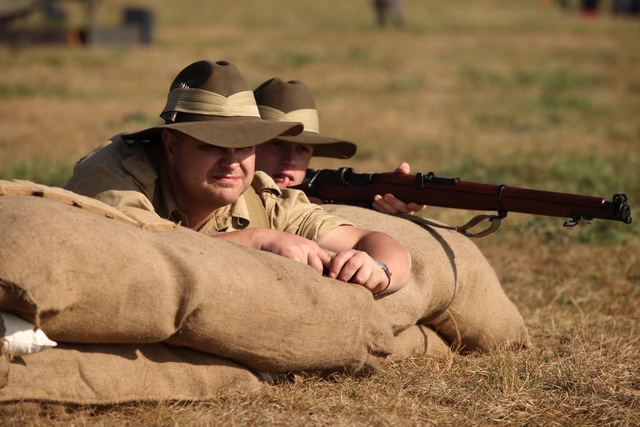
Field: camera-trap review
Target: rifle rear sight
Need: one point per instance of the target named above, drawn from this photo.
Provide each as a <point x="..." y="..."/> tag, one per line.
<point x="433" y="178"/>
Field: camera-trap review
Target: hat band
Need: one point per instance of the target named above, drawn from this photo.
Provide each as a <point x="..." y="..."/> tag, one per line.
<point x="200" y="101"/>
<point x="307" y="116"/>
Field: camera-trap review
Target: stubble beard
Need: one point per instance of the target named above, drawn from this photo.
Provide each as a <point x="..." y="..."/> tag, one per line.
<point x="219" y="196"/>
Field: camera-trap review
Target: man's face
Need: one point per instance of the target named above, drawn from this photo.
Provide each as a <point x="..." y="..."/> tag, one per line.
<point x="204" y="176"/>
<point x="286" y="162"/>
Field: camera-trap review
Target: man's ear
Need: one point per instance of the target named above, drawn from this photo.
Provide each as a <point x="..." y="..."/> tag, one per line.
<point x="169" y="140"/>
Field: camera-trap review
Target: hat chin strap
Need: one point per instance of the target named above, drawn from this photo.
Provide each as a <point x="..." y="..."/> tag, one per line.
<point x="204" y="102"/>
<point x="307" y="116"/>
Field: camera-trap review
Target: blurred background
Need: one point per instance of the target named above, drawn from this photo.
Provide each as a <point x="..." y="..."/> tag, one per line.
<point x="538" y="94"/>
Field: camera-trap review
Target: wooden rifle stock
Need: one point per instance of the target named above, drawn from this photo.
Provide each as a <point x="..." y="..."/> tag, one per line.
<point x="344" y="185"/>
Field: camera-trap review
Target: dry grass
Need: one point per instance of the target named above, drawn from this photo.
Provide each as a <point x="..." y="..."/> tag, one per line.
<point x="493" y="91"/>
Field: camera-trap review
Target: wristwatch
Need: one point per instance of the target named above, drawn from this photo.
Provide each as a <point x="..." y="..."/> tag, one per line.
<point x="386" y="270"/>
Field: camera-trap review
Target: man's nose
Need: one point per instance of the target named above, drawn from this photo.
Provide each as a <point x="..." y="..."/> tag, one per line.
<point x="289" y="158"/>
<point x="230" y="159"/>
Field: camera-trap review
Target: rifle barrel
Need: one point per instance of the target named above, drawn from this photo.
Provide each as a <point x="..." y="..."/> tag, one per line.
<point x="345" y="185"/>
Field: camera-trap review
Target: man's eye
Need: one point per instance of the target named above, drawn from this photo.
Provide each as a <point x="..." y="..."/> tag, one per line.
<point x="209" y="147"/>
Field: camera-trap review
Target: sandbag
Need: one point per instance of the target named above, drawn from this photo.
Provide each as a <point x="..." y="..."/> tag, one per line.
<point x="116" y="373"/>
<point x="87" y="278"/>
<point x="420" y="341"/>
<point x="453" y="289"/>
<point x="137" y="217"/>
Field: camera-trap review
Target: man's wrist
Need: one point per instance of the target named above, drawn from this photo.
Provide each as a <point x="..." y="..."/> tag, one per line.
<point x="386" y="270"/>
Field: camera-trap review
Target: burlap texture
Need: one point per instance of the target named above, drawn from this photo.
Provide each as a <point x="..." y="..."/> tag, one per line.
<point x="28" y="188"/>
<point x="420" y="341"/>
<point x="85" y="278"/>
<point x="4" y="370"/>
<point x="116" y="373"/>
<point x="453" y="288"/>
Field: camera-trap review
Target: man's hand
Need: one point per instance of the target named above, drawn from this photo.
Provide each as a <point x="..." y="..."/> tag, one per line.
<point x="390" y="204"/>
<point x="358" y="267"/>
<point x="357" y="251"/>
<point x="285" y="244"/>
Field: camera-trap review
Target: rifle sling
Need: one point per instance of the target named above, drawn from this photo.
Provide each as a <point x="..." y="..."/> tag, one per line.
<point x="496" y="223"/>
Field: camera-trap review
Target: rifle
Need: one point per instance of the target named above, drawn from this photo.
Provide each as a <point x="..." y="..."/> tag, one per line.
<point x="344" y="185"/>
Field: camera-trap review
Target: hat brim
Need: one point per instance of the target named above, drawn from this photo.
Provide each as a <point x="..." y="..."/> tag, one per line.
<point x="228" y="132"/>
<point x="324" y="146"/>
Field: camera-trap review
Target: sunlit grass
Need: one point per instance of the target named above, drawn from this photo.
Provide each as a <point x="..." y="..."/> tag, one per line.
<point x="39" y="170"/>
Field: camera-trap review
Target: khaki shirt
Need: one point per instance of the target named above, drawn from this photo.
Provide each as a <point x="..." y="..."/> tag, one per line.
<point x="131" y="174"/>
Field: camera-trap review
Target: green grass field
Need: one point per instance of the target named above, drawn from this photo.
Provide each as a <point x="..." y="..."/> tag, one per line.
<point x="517" y="93"/>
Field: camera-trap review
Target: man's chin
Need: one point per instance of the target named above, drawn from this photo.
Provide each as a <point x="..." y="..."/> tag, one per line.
<point x="225" y="195"/>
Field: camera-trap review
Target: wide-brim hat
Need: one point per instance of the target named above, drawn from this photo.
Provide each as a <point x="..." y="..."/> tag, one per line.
<point x="280" y="101"/>
<point x="212" y="102"/>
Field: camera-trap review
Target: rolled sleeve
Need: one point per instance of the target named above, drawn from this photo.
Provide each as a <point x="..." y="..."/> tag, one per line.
<point x="294" y="214"/>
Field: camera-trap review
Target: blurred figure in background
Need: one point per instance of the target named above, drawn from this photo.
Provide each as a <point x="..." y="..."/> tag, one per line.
<point x="625" y="7"/>
<point x="590" y="8"/>
<point x="388" y="11"/>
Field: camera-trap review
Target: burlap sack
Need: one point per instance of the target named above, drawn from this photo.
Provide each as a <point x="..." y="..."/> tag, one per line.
<point x="86" y="278"/>
<point x="116" y="373"/>
<point x="420" y="341"/>
<point x="453" y="288"/>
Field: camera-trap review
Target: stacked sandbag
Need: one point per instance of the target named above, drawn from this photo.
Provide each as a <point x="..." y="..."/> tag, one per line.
<point x="43" y="371"/>
<point x="144" y="310"/>
<point x="116" y="373"/>
<point x="87" y="278"/>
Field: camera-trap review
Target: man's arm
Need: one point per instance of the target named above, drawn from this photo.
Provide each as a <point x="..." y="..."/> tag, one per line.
<point x="282" y="243"/>
<point x="358" y="252"/>
<point x="304" y="232"/>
